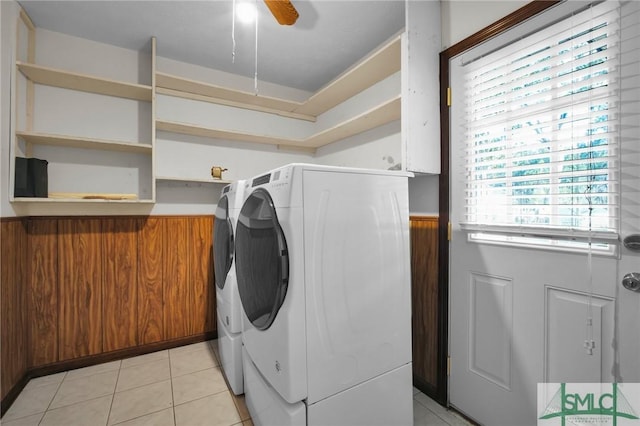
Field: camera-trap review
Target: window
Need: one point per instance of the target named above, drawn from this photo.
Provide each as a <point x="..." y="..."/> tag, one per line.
<point x="541" y="137"/>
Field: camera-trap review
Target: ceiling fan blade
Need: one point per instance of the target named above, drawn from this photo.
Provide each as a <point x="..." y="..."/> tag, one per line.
<point x="283" y="11"/>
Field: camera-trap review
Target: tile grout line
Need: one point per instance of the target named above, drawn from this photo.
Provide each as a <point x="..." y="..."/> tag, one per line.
<point x="113" y="395"/>
<point x="53" y="397"/>
<point x="137" y="386"/>
<point x="173" y="402"/>
<point x="140" y="416"/>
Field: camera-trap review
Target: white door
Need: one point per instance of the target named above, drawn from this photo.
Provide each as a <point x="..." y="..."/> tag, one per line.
<point x="518" y="314"/>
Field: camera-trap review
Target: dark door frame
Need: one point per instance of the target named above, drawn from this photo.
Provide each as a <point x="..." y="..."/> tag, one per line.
<point x="504" y="24"/>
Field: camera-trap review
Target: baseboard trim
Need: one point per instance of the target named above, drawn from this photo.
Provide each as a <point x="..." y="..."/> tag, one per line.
<point x="13" y="393"/>
<point x="87" y="361"/>
<point x="425" y="387"/>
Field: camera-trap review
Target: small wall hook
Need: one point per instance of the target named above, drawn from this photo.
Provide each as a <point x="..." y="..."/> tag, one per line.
<point x="216" y="171"/>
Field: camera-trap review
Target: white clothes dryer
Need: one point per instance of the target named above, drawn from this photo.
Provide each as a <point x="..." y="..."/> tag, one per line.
<point x="229" y="308"/>
<point x="323" y="269"/>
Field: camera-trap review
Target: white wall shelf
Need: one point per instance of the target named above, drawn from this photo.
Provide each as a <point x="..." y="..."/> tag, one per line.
<point x="378" y="65"/>
<point x="377" y="116"/>
<point x="83" y="82"/>
<point x="208" y="132"/>
<point x="193" y="180"/>
<point x="173" y="85"/>
<point x="78" y="200"/>
<point x="80" y="142"/>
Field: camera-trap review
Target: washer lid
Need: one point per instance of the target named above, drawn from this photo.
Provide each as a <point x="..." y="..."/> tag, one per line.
<point x="222" y="242"/>
<point x="262" y="259"/>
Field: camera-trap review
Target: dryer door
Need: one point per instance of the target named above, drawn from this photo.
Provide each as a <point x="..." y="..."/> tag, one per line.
<point x="262" y="259"/>
<point x="222" y="242"/>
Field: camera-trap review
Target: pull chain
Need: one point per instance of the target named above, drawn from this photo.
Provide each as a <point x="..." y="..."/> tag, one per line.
<point x="255" y="76"/>
<point x="233" y="33"/>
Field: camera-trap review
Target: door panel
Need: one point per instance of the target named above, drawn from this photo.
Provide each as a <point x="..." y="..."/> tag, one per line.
<point x="627" y="331"/>
<point x="490" y="324"/>
<point x="565" y="358"/>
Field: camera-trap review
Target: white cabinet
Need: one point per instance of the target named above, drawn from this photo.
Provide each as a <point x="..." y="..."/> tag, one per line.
<point x="421" y="87"/>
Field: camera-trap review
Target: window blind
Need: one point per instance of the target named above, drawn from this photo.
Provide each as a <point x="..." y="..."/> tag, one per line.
<point x="542" y="114"/>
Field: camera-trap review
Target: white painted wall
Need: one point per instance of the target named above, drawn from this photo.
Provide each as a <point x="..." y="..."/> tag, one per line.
<point x="462" y="18"/>
<point x="8" y="15"/>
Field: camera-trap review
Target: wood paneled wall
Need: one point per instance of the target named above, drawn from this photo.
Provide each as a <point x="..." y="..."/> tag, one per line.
<point x="424" y="299"/>
<point x="13" y="293"/>
<point x="120" y="286"/>
<point x="150" y="319"/>
<point x="109" y="283"/>
<point x="80" y="283"/>
<point x="77" y="287"/>
<point x="42" y="301"/>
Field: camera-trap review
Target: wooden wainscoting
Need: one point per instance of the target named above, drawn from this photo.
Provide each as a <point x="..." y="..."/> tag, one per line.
<point x="42" y="300"/>
<point x="424" y="300"/>
<point x="120" y="286"/>
<point x="82" y="290"/>
<point x="13" y="293"/>
<point x="102" y="284"/>
<point x="80" y="284"/>
<point x="150" y="281"/>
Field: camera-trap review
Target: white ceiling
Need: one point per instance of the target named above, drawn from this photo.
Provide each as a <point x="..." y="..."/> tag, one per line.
<point x="329" y="36"/>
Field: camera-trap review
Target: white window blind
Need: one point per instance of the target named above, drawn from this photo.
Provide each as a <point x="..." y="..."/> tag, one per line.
<point x="541" y="137"/>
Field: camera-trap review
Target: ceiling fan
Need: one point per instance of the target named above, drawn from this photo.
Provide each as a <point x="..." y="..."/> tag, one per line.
<point x="284" y="12"/>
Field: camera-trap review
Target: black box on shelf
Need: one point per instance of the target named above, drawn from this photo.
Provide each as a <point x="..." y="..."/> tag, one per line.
<point x="31" y="178"/>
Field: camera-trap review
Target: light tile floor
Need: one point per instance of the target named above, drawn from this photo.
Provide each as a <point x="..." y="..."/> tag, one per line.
<point x="176" y="387"/>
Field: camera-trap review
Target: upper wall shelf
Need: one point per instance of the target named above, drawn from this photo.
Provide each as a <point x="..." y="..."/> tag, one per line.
<point x="83" y="82"/>
<point x="193" y="180"/>
<point x="379" y="115"/>
<point x="95" y="198"/>
<point x="183" y="87"/>
<point x="378" y="65"/>
<point x="375" y="67"/>
<point x="80" y="142"/>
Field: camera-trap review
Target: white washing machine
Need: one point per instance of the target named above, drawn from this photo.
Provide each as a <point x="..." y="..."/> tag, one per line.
<point x="229" y="308"/>
<point x="323" y="268"/>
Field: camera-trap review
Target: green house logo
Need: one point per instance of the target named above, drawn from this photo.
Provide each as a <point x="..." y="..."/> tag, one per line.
<point x="589" y="407"/>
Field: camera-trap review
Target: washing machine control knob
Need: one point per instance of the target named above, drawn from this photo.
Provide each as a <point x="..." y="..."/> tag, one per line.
<point x="278" y="366"/>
